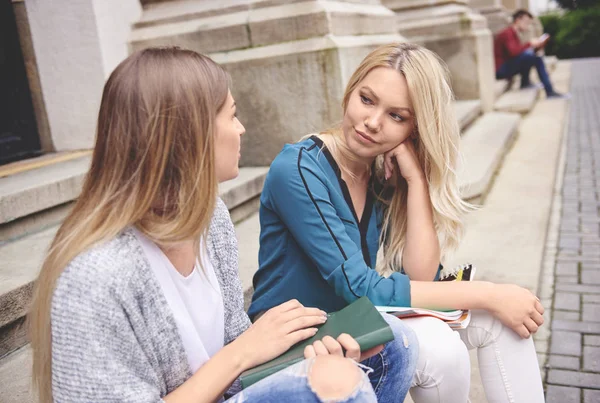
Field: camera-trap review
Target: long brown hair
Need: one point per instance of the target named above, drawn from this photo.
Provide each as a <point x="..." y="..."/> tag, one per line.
<point x="437" y="147"/>
<point x="152" y="167"/>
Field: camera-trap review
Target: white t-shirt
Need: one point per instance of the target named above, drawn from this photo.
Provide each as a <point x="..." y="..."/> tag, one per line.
<point x="196" y="302"/>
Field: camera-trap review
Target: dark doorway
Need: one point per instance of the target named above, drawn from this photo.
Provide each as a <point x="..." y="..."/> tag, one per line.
<point x="18" y="131"/>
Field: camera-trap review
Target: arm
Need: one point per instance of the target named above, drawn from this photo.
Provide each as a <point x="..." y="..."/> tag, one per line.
<point x="211" y="381"/>
<point x="297" y="191"/>
<point x="451" y="294"/>
<point x="222" y="241"/>
<point x="100" y="351"/>
<point x="516" y="307"/>
<point x="104" y="348"/>
<point x="421" y="255"/>
<point x="513" y="45"/>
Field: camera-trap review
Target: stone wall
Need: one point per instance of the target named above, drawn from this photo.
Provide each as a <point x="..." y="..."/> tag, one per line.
<point x="459" y="35"/>
<point x="289" y="60"/>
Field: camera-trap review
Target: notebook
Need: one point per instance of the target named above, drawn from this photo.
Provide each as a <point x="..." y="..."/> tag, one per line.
<point x="360" y="320"/>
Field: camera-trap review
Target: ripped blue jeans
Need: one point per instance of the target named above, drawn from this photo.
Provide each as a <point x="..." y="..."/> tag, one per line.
<point x="387" y="378"/>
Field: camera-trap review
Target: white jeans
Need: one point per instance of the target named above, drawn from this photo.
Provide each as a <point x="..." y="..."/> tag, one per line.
<point x="508" y="364"/>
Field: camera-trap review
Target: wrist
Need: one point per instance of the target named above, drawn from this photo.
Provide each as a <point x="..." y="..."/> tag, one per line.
<point x="238" y="356"/>
<point x="485" y="296"/>
<point x="416" y="180"/>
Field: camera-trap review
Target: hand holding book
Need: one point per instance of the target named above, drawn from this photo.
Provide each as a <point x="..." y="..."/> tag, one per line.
<point x="540" y="42"/>
<point x="361" y="323"/>
<point x="276" y="331"/>
<point x="344" y="346"/>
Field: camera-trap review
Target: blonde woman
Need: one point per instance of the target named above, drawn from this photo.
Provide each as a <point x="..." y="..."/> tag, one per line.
<point x="138" y="299"/>
<point x="386" y="178"/>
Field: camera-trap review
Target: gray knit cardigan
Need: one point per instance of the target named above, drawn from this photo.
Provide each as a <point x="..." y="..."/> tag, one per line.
<point x="114" y="338"/>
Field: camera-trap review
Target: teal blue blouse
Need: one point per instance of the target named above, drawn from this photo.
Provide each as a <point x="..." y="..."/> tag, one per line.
<point x="313" y="247"/>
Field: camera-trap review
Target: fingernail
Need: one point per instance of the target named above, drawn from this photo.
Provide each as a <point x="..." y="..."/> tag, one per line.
<point x="324" y="318"/>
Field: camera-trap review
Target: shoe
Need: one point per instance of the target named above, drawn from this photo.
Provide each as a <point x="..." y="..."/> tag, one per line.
<point x="558" y="95"/>
<point x="532" y="86"/>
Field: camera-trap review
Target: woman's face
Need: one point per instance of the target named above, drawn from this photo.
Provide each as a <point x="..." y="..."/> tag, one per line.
<point x="228" y="138"/>
<point x="379" y="115"/>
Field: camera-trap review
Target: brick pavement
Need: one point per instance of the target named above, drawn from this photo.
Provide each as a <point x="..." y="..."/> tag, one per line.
<point x="573" y="365"/>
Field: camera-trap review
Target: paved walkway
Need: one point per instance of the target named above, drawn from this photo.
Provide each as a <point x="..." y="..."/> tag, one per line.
<point x="573" y="366"/>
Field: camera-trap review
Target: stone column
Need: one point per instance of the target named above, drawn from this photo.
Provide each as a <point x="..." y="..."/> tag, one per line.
<point x="75" y="45"/>
<point x="459" y="35"/>
<point x="289" y="61"/>
<point x="495" y="13"/>
<point x="513" y="5"/>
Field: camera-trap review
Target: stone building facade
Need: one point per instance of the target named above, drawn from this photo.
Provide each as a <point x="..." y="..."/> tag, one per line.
<point x="289" y="59"/>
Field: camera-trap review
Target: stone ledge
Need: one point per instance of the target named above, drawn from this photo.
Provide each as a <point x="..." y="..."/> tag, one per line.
<point x="500" y="87"/>
<point x="42" y="188"/>
<point x="467" y="111"/>
<point x="483" y="147"/>
<point x="246" y="186"/>
<point x="251" y="27"/>
<point x="15" y="377"/>
<point x="518" y="101"/>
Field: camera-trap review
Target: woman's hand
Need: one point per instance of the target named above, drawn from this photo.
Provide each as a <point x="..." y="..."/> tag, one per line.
<point x="276" y="331"/>
<point x="328" y="345"/>
<point x="407" y="161"/>
<point x="517" y="308"/>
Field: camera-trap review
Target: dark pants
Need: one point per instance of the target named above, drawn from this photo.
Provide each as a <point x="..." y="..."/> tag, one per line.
<point x="522" y="64"/>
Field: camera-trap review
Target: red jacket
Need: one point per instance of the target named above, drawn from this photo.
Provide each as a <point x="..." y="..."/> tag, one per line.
<point x="507" y="45"/>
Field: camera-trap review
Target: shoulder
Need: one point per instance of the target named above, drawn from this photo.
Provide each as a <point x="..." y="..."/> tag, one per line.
<point x="222" y="241"/>
<point x="502" y="34"/>
<point x="106" y="272"/>
<point x="292" y="158"/>
<point x="221" y="218"/>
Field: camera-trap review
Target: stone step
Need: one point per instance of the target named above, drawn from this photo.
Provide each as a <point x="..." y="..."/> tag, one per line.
<point x="551" y="62"/>
<point x="500" y="87"/>
<point x="41" y="188"/>
<point x="467" y="111"/>
<point x="518" y="101"/>
<point x="15" y="377"/>
<point x="242" y="193"/>
<point x="20" y="259"/>
<point x="210" y="28"/>
<point x="176" y="11"/>
<point x="483" y="147"/>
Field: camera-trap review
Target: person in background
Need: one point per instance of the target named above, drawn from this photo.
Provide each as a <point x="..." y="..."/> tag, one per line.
<point x="513" y="57"/>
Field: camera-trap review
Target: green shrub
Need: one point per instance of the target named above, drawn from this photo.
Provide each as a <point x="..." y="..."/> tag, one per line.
<point x="551" y="23"/>
<point x="575" y="34"/>
<point x="577" y="4"/>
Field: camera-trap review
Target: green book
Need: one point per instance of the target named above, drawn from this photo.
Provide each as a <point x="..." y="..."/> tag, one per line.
<point x="360" y="320"/>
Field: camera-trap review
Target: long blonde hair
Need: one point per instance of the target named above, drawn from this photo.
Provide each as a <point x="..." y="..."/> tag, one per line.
<point x="153" y="167"/>
<point x="437" y="148"/>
